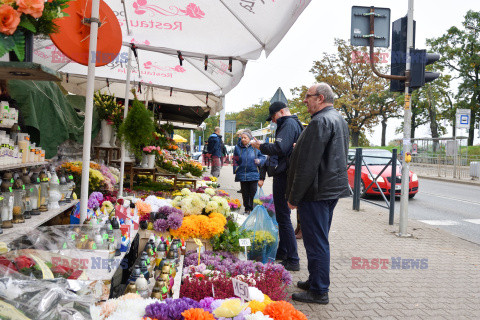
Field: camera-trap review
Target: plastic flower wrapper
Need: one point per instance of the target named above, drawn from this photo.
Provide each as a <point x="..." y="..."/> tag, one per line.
<point x="155" y="203"/>
<point x="257" y="316"/>
<point x="206" y="304"/>
<point x="257" y="305"/>
<point x="231" y="308"/>
<point x="171" y="309"/>
<point x="107" y="206"/>
<point x="197" y="314"/>
<point x="42" y="299"/>
<point x="283" y="310"/>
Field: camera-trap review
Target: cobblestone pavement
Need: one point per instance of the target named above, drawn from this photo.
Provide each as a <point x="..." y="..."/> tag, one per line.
<point x="445" y="285"/>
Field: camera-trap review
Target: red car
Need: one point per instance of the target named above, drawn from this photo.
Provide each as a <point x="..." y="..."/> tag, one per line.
<point x="376" y="159"/>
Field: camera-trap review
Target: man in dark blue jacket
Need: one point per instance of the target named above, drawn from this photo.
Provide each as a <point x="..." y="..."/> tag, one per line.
<point x="215" y="151"/>
<point x="288" y="131"/>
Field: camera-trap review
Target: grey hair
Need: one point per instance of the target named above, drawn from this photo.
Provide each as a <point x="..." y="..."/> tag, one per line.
<point x="248" y="133"/>
<point x="326" y="91"/>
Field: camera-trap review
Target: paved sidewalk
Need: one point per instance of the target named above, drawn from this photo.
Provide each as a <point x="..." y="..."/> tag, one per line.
<point x="447" y="286"/>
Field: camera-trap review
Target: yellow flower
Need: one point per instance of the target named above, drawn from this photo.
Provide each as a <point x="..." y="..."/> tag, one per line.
<point x="229" y="308"/>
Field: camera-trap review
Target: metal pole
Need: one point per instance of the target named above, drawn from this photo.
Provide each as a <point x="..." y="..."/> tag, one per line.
<point x="357" y="180"/>
<point x="222" y="117"/>
<point x="87" y="128"/>
<point x="393" y="183"/>
<point x="455" y="150"/>
<point x="407" y="123"/>
<point x="125" y="113"/>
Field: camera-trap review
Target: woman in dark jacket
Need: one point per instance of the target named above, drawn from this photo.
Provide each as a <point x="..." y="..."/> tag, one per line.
<point x="246" y="168"/>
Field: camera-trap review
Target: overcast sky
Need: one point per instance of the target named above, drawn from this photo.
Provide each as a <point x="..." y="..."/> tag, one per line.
<point x="314" y="32"/>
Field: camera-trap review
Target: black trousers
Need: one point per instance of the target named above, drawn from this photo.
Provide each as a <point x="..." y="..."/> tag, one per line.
<point x="249" y="188"/>
<point x="288" y="243"/>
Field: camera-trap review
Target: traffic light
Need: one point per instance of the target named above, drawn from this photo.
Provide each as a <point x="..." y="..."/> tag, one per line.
<point x="419" y="60"/>
<point x="399" y="48"/>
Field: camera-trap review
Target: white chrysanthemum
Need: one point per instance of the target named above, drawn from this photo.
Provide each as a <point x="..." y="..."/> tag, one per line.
<point x="211" y="206"/>
<point x="255" y="294"/>
<point x="185" y="192"/>
<point x="257" y="316"/>
<point x="205" y="197"/>
<point x="176" y="201"/>
<point x="210" y="191"/>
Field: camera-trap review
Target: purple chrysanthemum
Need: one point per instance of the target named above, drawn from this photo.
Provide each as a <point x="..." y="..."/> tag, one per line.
<point x="160" y="225"/>
<point x="170" y="310"/>
<point x="175" y="220"/>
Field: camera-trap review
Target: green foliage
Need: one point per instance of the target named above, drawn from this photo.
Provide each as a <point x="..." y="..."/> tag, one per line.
<point x="229" y="239"/>
<point x="137" y="129"/>
<point x="459" y="49"/>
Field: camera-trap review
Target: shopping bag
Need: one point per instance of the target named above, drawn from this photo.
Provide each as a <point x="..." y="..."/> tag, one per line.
<point x="259" y="194"/>
<point x="263" y="233"/>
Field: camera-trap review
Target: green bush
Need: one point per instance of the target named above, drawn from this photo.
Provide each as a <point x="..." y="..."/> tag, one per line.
<point x="137" y="129"/>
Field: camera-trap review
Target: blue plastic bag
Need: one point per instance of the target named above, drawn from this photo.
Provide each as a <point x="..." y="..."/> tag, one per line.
<point x="263" y="234"/>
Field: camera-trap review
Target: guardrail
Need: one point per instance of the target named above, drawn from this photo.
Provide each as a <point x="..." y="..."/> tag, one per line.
<point x="357" y="193"/>
<point x="442" y="166"/>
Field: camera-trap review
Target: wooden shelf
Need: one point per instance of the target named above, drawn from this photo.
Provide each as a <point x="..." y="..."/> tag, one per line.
<point x="21" y="229"/>
<point x="22" y="165"/>
<point x="27" y="71"/>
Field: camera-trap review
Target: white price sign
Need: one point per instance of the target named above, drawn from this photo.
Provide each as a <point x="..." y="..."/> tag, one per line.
<point x="240" y="289"/>
<point x="244" y="242"/>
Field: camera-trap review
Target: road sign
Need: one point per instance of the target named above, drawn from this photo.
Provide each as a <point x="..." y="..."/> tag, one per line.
<point x="463" y="118"/>
<point x="360" y="28"/>
<point x="231" y="126"/>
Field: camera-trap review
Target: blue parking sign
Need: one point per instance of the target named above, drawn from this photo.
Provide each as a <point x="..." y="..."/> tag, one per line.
<point x="464" y="119"/>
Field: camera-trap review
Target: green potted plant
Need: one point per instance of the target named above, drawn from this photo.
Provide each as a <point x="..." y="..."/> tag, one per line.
<point x="137" y="128"/>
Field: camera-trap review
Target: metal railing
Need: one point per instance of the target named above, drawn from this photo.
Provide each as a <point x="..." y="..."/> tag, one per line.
<point x="356" y="192"/>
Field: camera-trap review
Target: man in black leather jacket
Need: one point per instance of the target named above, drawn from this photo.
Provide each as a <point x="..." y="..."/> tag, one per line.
<point x="317" y="178"/>
<point x="287" y="133"/>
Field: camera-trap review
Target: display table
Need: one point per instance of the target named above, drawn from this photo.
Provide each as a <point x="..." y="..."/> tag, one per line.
<point x="141" y="171"/>
<point x="22" y="165"/>
<point x="184" y="179"/>
<point x="110" y="153"/>
<point x="21" y="229"/>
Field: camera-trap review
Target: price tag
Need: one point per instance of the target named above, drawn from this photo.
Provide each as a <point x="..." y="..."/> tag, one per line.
<point x="64" y="245"/>
<point x="244" y="242"/>
<point x="240" y="289"/>
<point x="73" y="237"/>
<point x="38" y="179"/>
<point x="164" y="290"/>
<point x="105" y="236"/>
<point x="94" y="247"/>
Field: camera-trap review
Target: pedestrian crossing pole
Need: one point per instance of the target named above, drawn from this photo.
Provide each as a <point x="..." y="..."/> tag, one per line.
<point x="407" y="123"/>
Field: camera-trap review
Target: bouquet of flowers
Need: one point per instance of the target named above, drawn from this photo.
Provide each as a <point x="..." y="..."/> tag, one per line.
<point x="234" y="204"/>
<point x="19" y="17"/>
<point x="106" y="107"/>
<point x="152" y="149"/>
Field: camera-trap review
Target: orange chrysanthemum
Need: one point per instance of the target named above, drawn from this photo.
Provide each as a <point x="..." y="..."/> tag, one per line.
<point x="282" y="310"/>
<point x="197" y="314"/>
<point x="200" y="226"/>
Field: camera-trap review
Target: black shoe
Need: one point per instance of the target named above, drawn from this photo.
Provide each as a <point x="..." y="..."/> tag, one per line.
<point x="310" y="297"/>
<point x="239" y="191"/>
<point x="281" y="257"/>
<point x="290" y="266"/>
<point x="304" y="285"/>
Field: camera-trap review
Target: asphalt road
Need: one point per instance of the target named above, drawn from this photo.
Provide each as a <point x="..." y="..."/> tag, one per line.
<point x="450" y="206"/>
